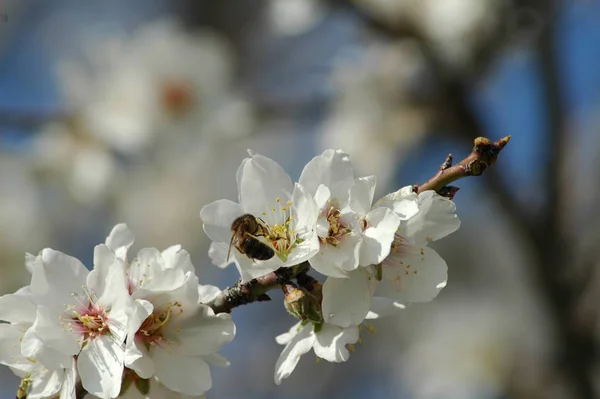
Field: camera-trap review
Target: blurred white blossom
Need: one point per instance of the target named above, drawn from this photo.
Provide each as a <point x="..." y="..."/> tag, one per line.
<point x="454" y="27"/>
<point x="372" y="115"/>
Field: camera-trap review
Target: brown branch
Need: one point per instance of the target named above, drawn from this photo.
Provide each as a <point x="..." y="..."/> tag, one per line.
<point x="255" y="290"/>
<point x="484" y="155"/>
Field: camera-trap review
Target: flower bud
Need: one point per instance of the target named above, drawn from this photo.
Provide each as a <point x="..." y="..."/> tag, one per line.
<point x="302" y="304"/>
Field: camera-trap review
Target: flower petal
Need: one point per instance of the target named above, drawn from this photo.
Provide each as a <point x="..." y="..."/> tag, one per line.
<point x="378" y="237"/>
<point x="218" y="252"/>
<point x="49" y="329"/>
<point x="120" y="240"/>
<point x="18" y="307"/>
<point x="300" y="344"/>
<point x="436" y="219"/>
<point x="186" y="374"/>
<point x="46" y="383"/>
<point x="100" y="366"/>
<point x="139" y="359"/>
<point x="204" y="333"/>
<point x="262" y="181"/>
<point x="331" y="342"/>
<point x="415" y="277"/>
<point x="361" y="194"/>
<point x="177" y="258"/>
<point x="216" y="360"/>
<point x="56" y="277"/>
<point x="335" y="261"/>
<point x="332" y="169"/>
<point x="207" y="293"/>
<point x="404" y="202"/>
<point x="217" y="218"/>
<point x="346" y="301"/>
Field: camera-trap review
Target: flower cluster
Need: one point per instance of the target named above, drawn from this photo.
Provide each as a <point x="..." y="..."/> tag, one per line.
<point x="123" y="323"/>
<point x="374" y="255"/>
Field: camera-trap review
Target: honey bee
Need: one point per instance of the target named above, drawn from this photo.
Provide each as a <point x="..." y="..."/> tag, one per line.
<point x="245" y="230"/>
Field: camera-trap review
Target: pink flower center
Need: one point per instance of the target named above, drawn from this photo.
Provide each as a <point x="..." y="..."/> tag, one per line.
<point x="90" y="321"/>
<point x="337" y="227"/>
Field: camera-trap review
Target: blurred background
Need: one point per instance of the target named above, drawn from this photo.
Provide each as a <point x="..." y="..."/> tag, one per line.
<point x="141" y="111"/>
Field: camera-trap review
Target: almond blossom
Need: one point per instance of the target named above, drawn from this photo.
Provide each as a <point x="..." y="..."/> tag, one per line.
<point x="18" y="310"/>
<point x="288" y="214"/>
<point x="80" y="313"/>
<point x="413" y="272"/>
<point x="171" y="335"/>
<point x="350" y="233"/>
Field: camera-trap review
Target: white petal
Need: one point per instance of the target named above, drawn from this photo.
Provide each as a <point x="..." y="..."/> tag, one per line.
<point x="104" y="259"/>
<point x="332" y="340"/>
<point x="100" y="366"/>
<point x="436" y="219"/>
<point x="33" y="347"/>
<point x="381" y="307"/>
<point x="415" y="277"/>
<point x="10" y="347"/>
<point x="18" y="307"/>
<point x="346" y="301"/>
<point x="217" y="218"/>
<point x="49" y="329"/>
<point x="139" y="360"/>
<point x="378" y="237"/>
<point x="304" y="210"/>
<point x="404" y="202"/>
<point x="207" y="293"/>
<point x="262" y="181"/>
<point x="46" y="384"/>
<point x="336" y="261"/>
<point x="332" y="169"/>
<point x="321" y="196"/>
<point x="216" y="360"/>
<point x="300" y="343"/>
<point x="120" y="240"/>
<point x="67" y="390"/>
<point x="140" y="312"/>
<point x="286" y="337"/>
<point x="177" y="258"/>
<point x="30" y="262"/>
<point x="185" y="374"/>
<point x="218" y="252"/>
<point x="361" y="194"/>
<point x="322" y="226"/>
<point x="206" y="333"/>
<point x="56" y="278"/>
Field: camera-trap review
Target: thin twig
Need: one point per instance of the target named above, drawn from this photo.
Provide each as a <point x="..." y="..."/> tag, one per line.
<point x="484" y="155"/>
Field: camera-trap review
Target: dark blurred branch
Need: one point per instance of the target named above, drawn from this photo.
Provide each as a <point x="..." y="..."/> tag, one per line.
<point x="454" y="111"/>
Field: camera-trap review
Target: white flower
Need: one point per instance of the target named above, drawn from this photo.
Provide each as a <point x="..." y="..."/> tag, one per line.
<point x="328" y="341"/>
<point x="350" y="232"/>
<point x="18" y="310"/>
<point x="287" y="212"/>
<point x="413" y="272"/>
<point x="410" y="273"/>
<point x="80" y="313"/>
<point x="132" y="91"/>
<point x="171" y="335"/>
